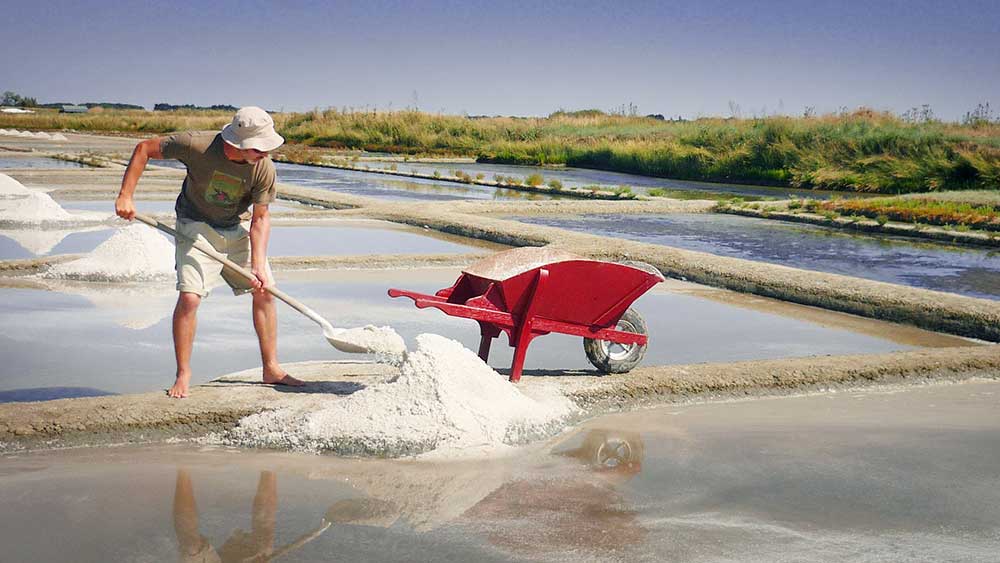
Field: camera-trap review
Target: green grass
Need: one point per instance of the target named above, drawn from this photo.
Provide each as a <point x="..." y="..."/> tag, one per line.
<point x="864" y="151"/>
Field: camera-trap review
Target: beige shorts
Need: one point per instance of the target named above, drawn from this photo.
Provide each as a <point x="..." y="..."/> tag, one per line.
<point x="197" y="273"/>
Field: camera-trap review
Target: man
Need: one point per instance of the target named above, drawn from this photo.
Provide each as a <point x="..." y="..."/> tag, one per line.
<point x="226" y="173"/>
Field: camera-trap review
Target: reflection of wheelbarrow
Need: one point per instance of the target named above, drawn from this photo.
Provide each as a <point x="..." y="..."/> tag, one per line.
<point x="529" y="292"/>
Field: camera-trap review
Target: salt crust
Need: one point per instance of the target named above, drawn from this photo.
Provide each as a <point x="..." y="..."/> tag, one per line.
<point x="444" y="398"/>
<point x="134" y="253"/>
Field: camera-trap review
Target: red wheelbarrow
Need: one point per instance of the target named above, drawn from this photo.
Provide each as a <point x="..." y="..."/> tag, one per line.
<point x="530" y="292"/>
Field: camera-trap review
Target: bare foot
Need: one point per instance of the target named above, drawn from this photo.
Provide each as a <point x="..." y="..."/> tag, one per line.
<point x="180" y="388"/>
<point x="283" y="379"/>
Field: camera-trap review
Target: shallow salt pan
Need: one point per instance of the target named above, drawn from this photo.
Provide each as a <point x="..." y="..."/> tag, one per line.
<point x="444" y="397"/>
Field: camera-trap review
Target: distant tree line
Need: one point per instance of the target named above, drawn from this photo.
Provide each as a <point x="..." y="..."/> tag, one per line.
<point x="16" y="100"/>
<point x="171" y="107"/>
<point x="88" y="105"/>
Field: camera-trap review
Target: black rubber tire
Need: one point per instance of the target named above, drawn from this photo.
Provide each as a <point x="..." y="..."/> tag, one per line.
<point x="603" y="358"/>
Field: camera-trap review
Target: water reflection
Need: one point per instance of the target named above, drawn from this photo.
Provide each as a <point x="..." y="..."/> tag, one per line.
<point x="587" y="512"/>
<point x="255" y="545"/>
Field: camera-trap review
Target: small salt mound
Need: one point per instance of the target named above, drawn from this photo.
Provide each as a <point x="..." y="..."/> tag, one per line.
<point x="4" y="132"/>
<point x="42" y="135"/>
<point x="135" y="253"/>
<point x="34" y="207"/>
<point x="59" y="137"/>
<point x="382" y="341"/>
<point x="10" y="187"/>
<point x="444" y="397"/>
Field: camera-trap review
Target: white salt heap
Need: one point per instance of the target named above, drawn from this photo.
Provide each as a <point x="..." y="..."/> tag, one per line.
<point x="59" y="137"/>
<point x="32" y="208"/>
<point x="382" y="341"/>
<point x="134" y="253"/>
<point x="444" y="397"/>
<point x="10" y="187"/>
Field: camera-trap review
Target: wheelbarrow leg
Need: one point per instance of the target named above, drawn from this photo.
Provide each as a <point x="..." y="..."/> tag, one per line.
<point x="488" y="332"/>
<point x="523" y="334"/>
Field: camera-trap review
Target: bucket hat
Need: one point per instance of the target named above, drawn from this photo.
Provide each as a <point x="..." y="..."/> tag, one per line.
<point x="252" y="128"/>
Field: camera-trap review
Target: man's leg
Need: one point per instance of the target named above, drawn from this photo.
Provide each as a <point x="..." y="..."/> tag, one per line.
<point x="265" y="322"/>
<point x="185" y="322"/>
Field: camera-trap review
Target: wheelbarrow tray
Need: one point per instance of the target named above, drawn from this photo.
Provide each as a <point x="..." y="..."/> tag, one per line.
<point x="570" y="295"/>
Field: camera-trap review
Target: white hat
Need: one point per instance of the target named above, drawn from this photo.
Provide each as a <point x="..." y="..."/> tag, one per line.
<point x="252" y="128"/>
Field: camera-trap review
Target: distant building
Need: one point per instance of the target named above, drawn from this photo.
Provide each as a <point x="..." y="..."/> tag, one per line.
<point x="67" y="108"/>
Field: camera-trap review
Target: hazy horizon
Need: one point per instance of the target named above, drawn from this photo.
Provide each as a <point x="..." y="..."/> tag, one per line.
<point x="479" y="58"/>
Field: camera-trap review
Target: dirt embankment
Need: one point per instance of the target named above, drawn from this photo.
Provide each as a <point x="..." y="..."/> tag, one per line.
<point x="219" y="405"/>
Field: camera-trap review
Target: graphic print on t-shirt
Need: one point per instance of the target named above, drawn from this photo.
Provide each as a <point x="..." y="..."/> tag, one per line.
<point x="224" y="190"/>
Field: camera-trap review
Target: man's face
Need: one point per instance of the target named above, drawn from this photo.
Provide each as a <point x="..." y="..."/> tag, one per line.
<point x="253" y="155"/>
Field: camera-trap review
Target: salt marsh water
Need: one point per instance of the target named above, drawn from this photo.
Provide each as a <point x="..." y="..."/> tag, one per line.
<point x="37" y="162"/>
<point x="116" y="337"/>
<point x="903" y="474"/>
<point x="967" y="271"/>
<point x="578" y="177"/>
<point x="383" y="187"/>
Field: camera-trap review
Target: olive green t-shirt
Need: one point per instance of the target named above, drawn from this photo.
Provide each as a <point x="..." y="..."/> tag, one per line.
<point x="217" y="190"/>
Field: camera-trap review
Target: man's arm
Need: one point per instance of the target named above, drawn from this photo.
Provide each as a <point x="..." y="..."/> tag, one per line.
<point x="145" y="150"/>
<point x="260" y="232"/>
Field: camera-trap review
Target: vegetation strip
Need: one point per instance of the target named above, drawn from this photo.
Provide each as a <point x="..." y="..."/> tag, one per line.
<point x="863" y="151"/>
<point x="939" y="234"/>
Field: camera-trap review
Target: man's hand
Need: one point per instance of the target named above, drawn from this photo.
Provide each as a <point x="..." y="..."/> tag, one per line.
<point x="125" y="207"/>
<point x="260" y="281"/>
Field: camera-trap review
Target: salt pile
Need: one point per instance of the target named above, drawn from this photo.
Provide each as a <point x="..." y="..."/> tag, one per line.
<point x="135" y="253"/>
<point x="59" y="137"/>
<point x="382" y="341"/>
<point x="444" y="397"/>
<point x="33" y="207"/>
<point x="10" y="187"/>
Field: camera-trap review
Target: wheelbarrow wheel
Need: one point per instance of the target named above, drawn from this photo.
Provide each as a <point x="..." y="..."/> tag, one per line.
<point x="610" y="357"/>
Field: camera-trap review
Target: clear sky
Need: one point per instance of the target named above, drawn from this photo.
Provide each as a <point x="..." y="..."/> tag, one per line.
<point x="509" y="58"/>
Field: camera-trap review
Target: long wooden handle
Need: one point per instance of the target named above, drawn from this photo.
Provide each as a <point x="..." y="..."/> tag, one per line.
<point x="215" y="255"/>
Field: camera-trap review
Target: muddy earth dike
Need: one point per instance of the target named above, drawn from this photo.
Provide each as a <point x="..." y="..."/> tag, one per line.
<point x="219" y="405"/>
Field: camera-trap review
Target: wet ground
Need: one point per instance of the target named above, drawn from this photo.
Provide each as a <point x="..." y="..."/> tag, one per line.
<point x="964" y="270"/>
<point x="866" y="476"/>
<point x="116" y="338"/>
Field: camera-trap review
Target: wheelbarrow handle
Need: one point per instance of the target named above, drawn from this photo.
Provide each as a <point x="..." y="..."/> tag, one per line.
<point x="218" y="257"/>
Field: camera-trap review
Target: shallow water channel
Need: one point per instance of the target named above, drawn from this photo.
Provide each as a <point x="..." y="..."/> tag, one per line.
<point x="578" y="177"/>
<point x="384" y="187"/>
<point x="7" y="161"/>
<point x="893" y="475"/>
<point x="116" y="338"/>
<point x="956" y="269"/>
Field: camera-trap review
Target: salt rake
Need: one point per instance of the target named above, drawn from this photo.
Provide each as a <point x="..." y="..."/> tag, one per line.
<point x="332" y="334"/>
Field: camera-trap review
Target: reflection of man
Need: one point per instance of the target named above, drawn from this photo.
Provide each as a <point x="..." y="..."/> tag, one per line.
<point x="227" y="172"/>
<point x="258" y="545"/>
